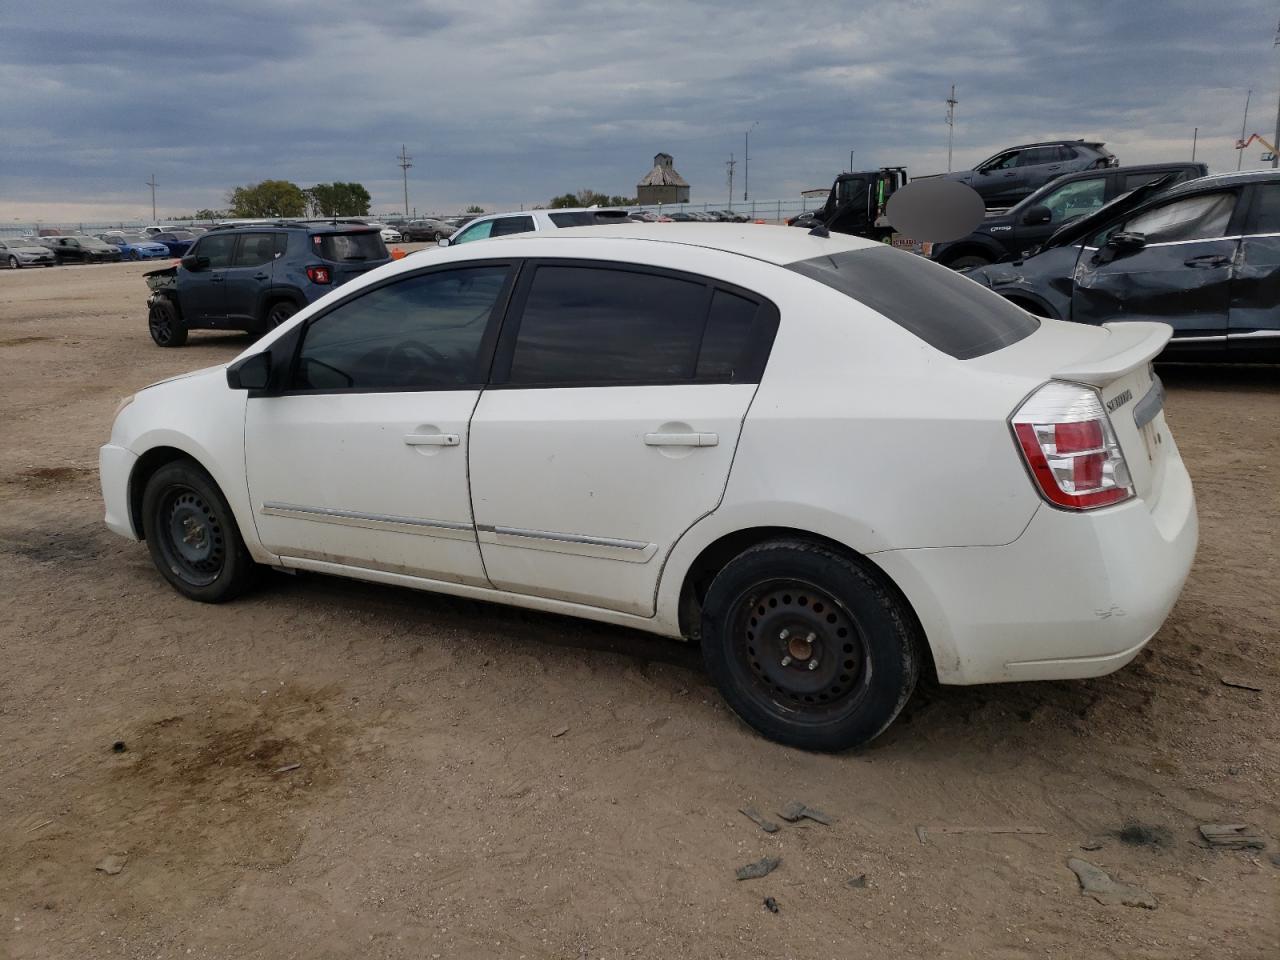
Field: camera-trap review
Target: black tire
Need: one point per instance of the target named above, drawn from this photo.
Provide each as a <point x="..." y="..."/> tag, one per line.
<point x="15" y="263"/>
<point x="782" y="605"/>
<point x="166" y="327"/>
<point x="278" y="313"/>
<point x="134" y="255"/>
<point x="968" y="261"/>
<point x="192" y="534"/>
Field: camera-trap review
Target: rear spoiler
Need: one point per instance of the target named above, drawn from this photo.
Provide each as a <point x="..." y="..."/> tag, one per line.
<point x="1129" y="344"/>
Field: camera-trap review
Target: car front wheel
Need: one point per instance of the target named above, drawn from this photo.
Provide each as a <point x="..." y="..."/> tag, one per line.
<point x="165" y="326"/>
<point x="968" y="262"/>
<point x="192" y="534"/>
<point x="807" y="646"/>
<point x="14" y="263"/>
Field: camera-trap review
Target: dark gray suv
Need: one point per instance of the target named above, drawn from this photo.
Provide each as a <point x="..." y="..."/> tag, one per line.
<point x="1010" y="175"/>
<point x="255" y="276"/>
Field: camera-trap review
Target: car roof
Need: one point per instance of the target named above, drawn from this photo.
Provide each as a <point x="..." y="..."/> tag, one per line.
<point x="1054" y="143"/>
<point x="1215" y="181"/>
<point x="770" y="243"/>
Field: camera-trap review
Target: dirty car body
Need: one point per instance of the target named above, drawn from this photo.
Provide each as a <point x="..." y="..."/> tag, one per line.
<point x="830" y="462"/>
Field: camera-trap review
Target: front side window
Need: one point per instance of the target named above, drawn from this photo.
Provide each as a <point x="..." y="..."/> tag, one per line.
<point x="1266" y="206"/>
<point x="255" y="249"/>
<point x="1193" y="218"/>
<point x="217" y="248"/>
<point x="506" y="226"/>
<point x="1076" y="199"/>
<point x="420" y="333"/>
<point x="1004" y="161"/>
<point x="477" y="231"/>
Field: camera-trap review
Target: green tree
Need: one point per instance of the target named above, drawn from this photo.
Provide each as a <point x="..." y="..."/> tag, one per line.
<point x="474" y="209"/>
<point x="338" y="199"/>
<point x="207" y="214"/>
<point x="589" y="198"/>
<point x="270" y="198"/>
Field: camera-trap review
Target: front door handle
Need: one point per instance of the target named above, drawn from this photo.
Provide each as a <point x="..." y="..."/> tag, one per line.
<point x="1208" y="260"/>
<point x="262" y="276"/>
<point x="216" y="278"/>
<point x="432" y="439"/>
<point x="681" y="439"/>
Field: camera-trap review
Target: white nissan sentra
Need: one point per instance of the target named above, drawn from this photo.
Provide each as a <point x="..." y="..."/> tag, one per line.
<point x="830" y="463"/>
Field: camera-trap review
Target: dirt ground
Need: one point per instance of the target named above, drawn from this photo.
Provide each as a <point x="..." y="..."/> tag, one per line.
<point x="436" y="813"/>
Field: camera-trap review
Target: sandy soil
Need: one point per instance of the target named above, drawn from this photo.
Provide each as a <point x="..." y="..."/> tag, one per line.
<point x="436" y="814"/>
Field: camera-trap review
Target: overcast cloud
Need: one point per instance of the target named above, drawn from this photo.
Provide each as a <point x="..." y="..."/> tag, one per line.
<point x="503" y="102"/>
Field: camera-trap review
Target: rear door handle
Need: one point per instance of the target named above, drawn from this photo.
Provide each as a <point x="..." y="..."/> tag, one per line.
<point x="681" y="439"/>
<point x="432" y="439"/>
<point x="1208" y="260"/>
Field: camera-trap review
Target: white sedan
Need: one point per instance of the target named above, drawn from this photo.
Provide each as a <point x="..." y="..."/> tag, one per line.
<point x="391" y="235"/>
<point x="831" y="463"/>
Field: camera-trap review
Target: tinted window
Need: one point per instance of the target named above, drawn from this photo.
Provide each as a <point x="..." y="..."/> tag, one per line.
<point x="945" y="309"/>
<point x="1037" y="155"/>
<point x="217" y="248"/>
<point x="1266" y="208"/>
<point x="342" y="247"/>
<point x="255" y="249"/>
<point x="596" y="325"/>
<point x="727" y="340"/>
<point x="587" y="218"/>
<point x="1134" y="180"/>
<point x="1193" y="218"/>
<point x="505" y="226"/>
<point x="1004" y="161"/>
<point x="1066" y="153"/>
<point x="419" y="333"/>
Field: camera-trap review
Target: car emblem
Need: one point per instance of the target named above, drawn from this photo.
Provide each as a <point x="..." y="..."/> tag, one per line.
<point x="1119" y="400"/>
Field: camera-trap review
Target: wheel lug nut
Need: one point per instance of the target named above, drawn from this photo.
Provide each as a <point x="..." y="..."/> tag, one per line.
<point x="813" y="664"/>
<point x="786" y="661"/>
<point x="784" y="634"/>
<point x="811" y="638"/>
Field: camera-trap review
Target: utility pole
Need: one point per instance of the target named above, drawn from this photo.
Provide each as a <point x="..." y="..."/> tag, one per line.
<point x="152" y="184"/>
<point x="730" y="164"/>
<point x="1195" y="135"/>
<point x="1243" y="129"/>
<point x="951" y="123"/>
<point x="406" y="162"/>
<point x="851" y="161"/>
<point x="1275" y="154"/>
<point x="746" y="161"/>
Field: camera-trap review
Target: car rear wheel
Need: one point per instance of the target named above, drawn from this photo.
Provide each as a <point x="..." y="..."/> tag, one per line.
<point x="807" y="646"/>
<point x="192" y="534"/>
<point x="968" y="262"/>
<point x="14" y="263"/>
<point x="135" y="255"/>
<point x="167" y="328"/>
<point x="279" y="312"/>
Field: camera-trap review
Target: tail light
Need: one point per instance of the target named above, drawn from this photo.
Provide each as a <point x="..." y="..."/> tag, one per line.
<point x="319" y="274"/>
<point x="1066" y="437"/>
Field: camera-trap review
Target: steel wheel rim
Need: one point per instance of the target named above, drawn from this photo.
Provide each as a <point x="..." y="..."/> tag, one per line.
<point x="780" y="627"/>
<point x="191" y="538"/>
<point x="13" y="263"/>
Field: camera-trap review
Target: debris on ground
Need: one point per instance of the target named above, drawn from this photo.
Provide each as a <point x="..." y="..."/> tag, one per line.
<point x="1233" y="836"/>
<point x="1240" y="684"/>
<point x="1098" y="884"/>
<point x="796" y="810"/>
<point x="858" y="883"/>
<point x="761" y="868"/>
<point x="111" y="864"/>
<point x="771" y="904"/>
<point x="287" y="768"/>
<point x="922" y="832"/>
<point x="752" y="814"/>
<point x="1092" y="845"/>
<point x="1144" y="835"/>
<point x="118" y="747"/>
<point x="559" y="731"/>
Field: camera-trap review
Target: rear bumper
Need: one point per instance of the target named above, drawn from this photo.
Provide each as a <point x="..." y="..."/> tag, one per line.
<point x="115" y="465"/>
<point x="1076" y="595"/>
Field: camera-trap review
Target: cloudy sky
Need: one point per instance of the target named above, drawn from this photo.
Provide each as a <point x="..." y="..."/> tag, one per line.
<point x="503" y="102"/>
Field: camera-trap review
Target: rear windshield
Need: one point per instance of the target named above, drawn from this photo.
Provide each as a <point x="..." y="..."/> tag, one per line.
<point x="588" y="218"/>
<point x="366" y="245"/>
<point x="945" y="309"/>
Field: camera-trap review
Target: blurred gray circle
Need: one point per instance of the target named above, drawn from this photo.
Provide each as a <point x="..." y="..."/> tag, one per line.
<point x="935" y="210"/>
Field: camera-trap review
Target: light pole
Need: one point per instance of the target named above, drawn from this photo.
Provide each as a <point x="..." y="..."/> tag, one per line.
<point x="851" y="161"/>
<point x="746" y="161"/>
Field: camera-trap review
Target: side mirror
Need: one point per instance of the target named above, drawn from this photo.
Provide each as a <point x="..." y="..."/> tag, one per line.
<point x="1037" y="215"/>
<point x="443" y="241"/>
<point x="251" y="373"/>
<point x="196" y="264"/>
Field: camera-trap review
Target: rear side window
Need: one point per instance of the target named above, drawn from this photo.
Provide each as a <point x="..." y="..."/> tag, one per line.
<point x="1266" y="208"/>
<point x="1037" y="155"/>
<point x="255" y="249"/>
<point x="587" y="218"/>
<point x="1201" y="217"/>
<point x="340" y="247"/>
<point x="728" y="336"/>
<point x="505" y="226"/>
<point x="945" y="309"/>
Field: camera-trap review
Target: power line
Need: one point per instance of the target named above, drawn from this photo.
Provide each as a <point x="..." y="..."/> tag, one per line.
<point x="406" y="162"/>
